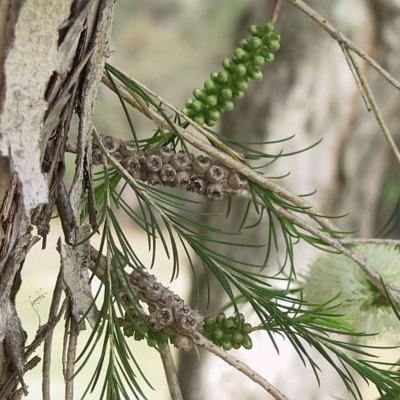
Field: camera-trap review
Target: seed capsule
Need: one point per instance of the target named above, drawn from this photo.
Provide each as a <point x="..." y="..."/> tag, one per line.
<point x="182" y="179"/>
<point x="166" y="316"/>
<point x="110" y="144"/>
<point x="132" y="166"/>
<point x="153" y="291"/>
<point x="128" y="148"/>
<point x="96" y="157"/>
<point x="215" y="174"/>
<point x="196" y="185"/>
<point x="201" y="164"/>
<point x="154" y="163"/>
<point x="180" y="161"/>
<point x="164" y="152"/>
<point x="181" y="311"/>
<point x="168" y="173"/>
<point x="189" y="324"/>
<point x="237" y="181"/>
<point x="215" y="191"/>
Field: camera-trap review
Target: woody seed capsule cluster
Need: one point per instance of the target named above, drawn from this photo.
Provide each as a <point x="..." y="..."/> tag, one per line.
<point x="169" y="317"/>
<point x="162" y="166"/>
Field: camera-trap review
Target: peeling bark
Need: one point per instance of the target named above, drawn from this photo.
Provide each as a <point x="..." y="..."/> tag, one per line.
<point x="51" y="58"/>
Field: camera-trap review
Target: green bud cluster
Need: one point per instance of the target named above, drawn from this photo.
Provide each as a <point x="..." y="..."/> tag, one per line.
<point x="136" y="326"/>
<point x="232" y="332"/>
<point x="219" y="91"/>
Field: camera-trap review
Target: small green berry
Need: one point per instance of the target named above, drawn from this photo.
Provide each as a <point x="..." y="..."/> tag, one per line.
<point x="255" y="42"/>
<point x="247" y="343"/>
<point x="237" y="337"/>
<point x="218" y="334"/>
<point x="245" y="45"/>
<point x="258" y="60"/>
<point x="275" y="36"/>
<point x="189" y="103"/>
<point x="239" y="319"/>
<point x="269" y="58"/>
<point x="209" y="321"/>
<point x="255" y="30"/>
<point x="220" y="319"/>
<point x="199" y="94"/>
<point x="227" y="345"/>
<point x="214" y="76"/>
<point x="241" y="84"/>
<point x="267" y="54"/>
<point x="211" y="86"/>
<point x="212" y="100"/>
<point x="239" y="94"/>
<point x="226" y="93"/>
<point x="199" y="119"/>
<point x="187" y="112"/>
<point x="229" y="65"/>
<point x="242" y="55"/>
<point x="247" y="328"/>
<point x="273" y="45"/>
<point x="229" y="323"/>
<point x="213" y="114"/>
<point x="223" y="77"/>
<point x="197" y="106"/>
<point x="254" y="73"/>
<point x="241" y="70"/>
<point x="236" y="346"/>
<point x="210" y="122"/>
<point x="268" y="28"/>
<point x="228" y="105"/>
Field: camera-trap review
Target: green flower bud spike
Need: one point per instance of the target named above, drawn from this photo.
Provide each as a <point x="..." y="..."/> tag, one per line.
<point x="218" y="92"/>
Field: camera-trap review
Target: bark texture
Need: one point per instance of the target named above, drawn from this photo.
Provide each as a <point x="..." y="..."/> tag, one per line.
<point x="309" y="92"/>
<point x="51" y="59"/>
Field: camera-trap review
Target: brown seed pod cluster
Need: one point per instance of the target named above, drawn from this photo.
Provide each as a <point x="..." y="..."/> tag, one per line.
<point x="168" y="312"/>
<point x="162" y="166"/>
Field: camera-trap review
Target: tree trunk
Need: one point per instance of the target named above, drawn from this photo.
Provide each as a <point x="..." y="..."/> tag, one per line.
<point x="309" y="92"/>
<point x="51" y="60"/>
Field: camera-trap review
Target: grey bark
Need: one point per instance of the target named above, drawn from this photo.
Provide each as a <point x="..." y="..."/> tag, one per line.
<point x="309" y="92"/>
<point x="51" y="59"/>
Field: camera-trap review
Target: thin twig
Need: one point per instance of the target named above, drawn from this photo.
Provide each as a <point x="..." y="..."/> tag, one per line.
<point x="378" y="116"/>
<point x="355" y="73"/>
<point x="341" y="38"/>
<point x="55" y="302"/>
<point x="276" y="10"/>
<point x="387" y="242"/>
<point x="70" y="359"/>
<point x="171" y="373"/>
<point x="200" y="340"/>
